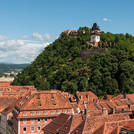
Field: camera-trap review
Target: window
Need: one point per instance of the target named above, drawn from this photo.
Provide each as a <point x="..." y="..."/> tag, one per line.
<point x="58" y="112"/>
<point x="32" y="120"/>
<point x="32" y="128"/>
<point x="52" y="112"/>
<point x="24" y="114"/>
<point x="45" y="113"/>
<point x="51" y="119"/>
<point x="32" y="114"/>
<point x="64" y="112"/>
<point x="24" y="129"/>
<point x="38" y="128"/>
<point x="69" y="111"/>
<point x="38" y="120"/>
<point x="24" y="121"/>
<point x="45" y="119"/>
<point x="38" y="113"/>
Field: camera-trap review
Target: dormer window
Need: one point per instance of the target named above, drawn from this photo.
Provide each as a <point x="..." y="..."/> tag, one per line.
<point x="32" y="114"/>
<point x="52" y="112"/>
<point x="40" y="105"/>
<point x="52" y="97"/>
<point x="64" y="112"/>
<point x="69" y="111"/>
<point x="24" y="114"/>
<point x="38" y="113"/>
<point x="20" y="103"/>
<point x="58" y="112"/>
<point x="45" y="113"/>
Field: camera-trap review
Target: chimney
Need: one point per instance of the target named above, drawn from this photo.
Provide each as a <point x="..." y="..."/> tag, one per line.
<point x="87" y="111"/>
<point x="113" y="110"/>
<point x="124" y="95"/>
<point x="81" y="97"/>
<point x="130" y="107"/>
<point x="104" y="111"/>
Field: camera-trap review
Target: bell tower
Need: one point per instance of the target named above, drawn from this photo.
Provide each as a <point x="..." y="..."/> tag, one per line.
<point x="95" y="35"/>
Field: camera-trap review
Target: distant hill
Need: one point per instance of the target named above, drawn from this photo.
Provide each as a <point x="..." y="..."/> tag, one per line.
<point x="4" y="68"/>
<point x="60" y="65"/>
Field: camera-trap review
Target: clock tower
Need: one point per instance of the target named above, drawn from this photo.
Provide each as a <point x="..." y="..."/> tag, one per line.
<point x="95" y="35"/>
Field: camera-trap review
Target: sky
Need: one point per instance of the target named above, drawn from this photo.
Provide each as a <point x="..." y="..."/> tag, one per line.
<point x="28" y="26"/>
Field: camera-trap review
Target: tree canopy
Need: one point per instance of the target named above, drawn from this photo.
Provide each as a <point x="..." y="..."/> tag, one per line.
<point x="59" y="66"/>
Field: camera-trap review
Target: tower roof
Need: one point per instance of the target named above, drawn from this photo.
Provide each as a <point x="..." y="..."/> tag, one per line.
<point x="96" y="27"/>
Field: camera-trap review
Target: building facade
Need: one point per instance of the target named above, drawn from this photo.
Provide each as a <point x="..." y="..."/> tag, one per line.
<point x="35" y="111"/>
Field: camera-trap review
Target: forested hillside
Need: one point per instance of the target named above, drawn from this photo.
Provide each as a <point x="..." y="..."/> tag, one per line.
<point x="59" y="66"/>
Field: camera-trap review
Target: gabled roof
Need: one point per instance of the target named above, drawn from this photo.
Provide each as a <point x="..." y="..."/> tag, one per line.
<point x="118" y="97"/>
<point x="6" y="102"/>
<point x="86" y="96"/>
<point x="64" y="123"/>
<point x="129" y="126"/>
<point x="109" y="97"/>
<point x="47" y="100"/>
<point x="53" y="127"/>
<point x="92" y="123"/>
<point x="131" y="97"/>
<point x="42" y="101"/>
<point x="67" y="31"/>
<point x="79" y="128"/>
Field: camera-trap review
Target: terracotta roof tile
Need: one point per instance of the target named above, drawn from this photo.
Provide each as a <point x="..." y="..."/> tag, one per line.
<point x="125" y="101"/>
<point x="6" y="102"/>
<point x="131" y="97"/>
<point x="86" y="96"/>
<point x="63" y="123"/>
<point x="129" y="126"/>
<point x="47" y="101"/>
<point x="92" y="123"/>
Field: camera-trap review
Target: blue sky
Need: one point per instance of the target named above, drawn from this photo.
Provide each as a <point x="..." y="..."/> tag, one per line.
<point x="27" y="26"/>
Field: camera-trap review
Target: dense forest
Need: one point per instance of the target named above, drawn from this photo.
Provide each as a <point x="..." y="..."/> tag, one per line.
<point x="59" y="66"/>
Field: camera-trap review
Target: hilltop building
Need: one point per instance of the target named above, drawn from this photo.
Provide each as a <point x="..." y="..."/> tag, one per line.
<point x="95" y="35"/>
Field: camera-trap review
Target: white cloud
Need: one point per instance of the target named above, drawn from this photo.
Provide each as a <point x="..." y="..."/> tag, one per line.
<point x="47" y="36"/>
<point x="37" y="36"/>
<point x="106" y="19"/>
<point x="20" y="51"/>
<point x="24" y="37"/>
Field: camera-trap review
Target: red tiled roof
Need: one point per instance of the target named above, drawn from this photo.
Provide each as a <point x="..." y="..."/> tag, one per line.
<point x="67" y="31"/>
<point x="119" y="103"/>
<point x="48" y="100"/>
<point x="109" y="97"/>
<point x="6" y="102"/>
<point x="130" y="96"/>
<point x="63" y="123"/>
<point x="125" y="101"/>
<point x="118" y="97"/>
<point x="43" y="101"/>
<point x="129" y="126"/>
<point x="73" y="31"/>
<point x="79" y="128"/>
<point x="52" y="127"/>
<point x="86" y="96"/>
<point x="92" y="123"/>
